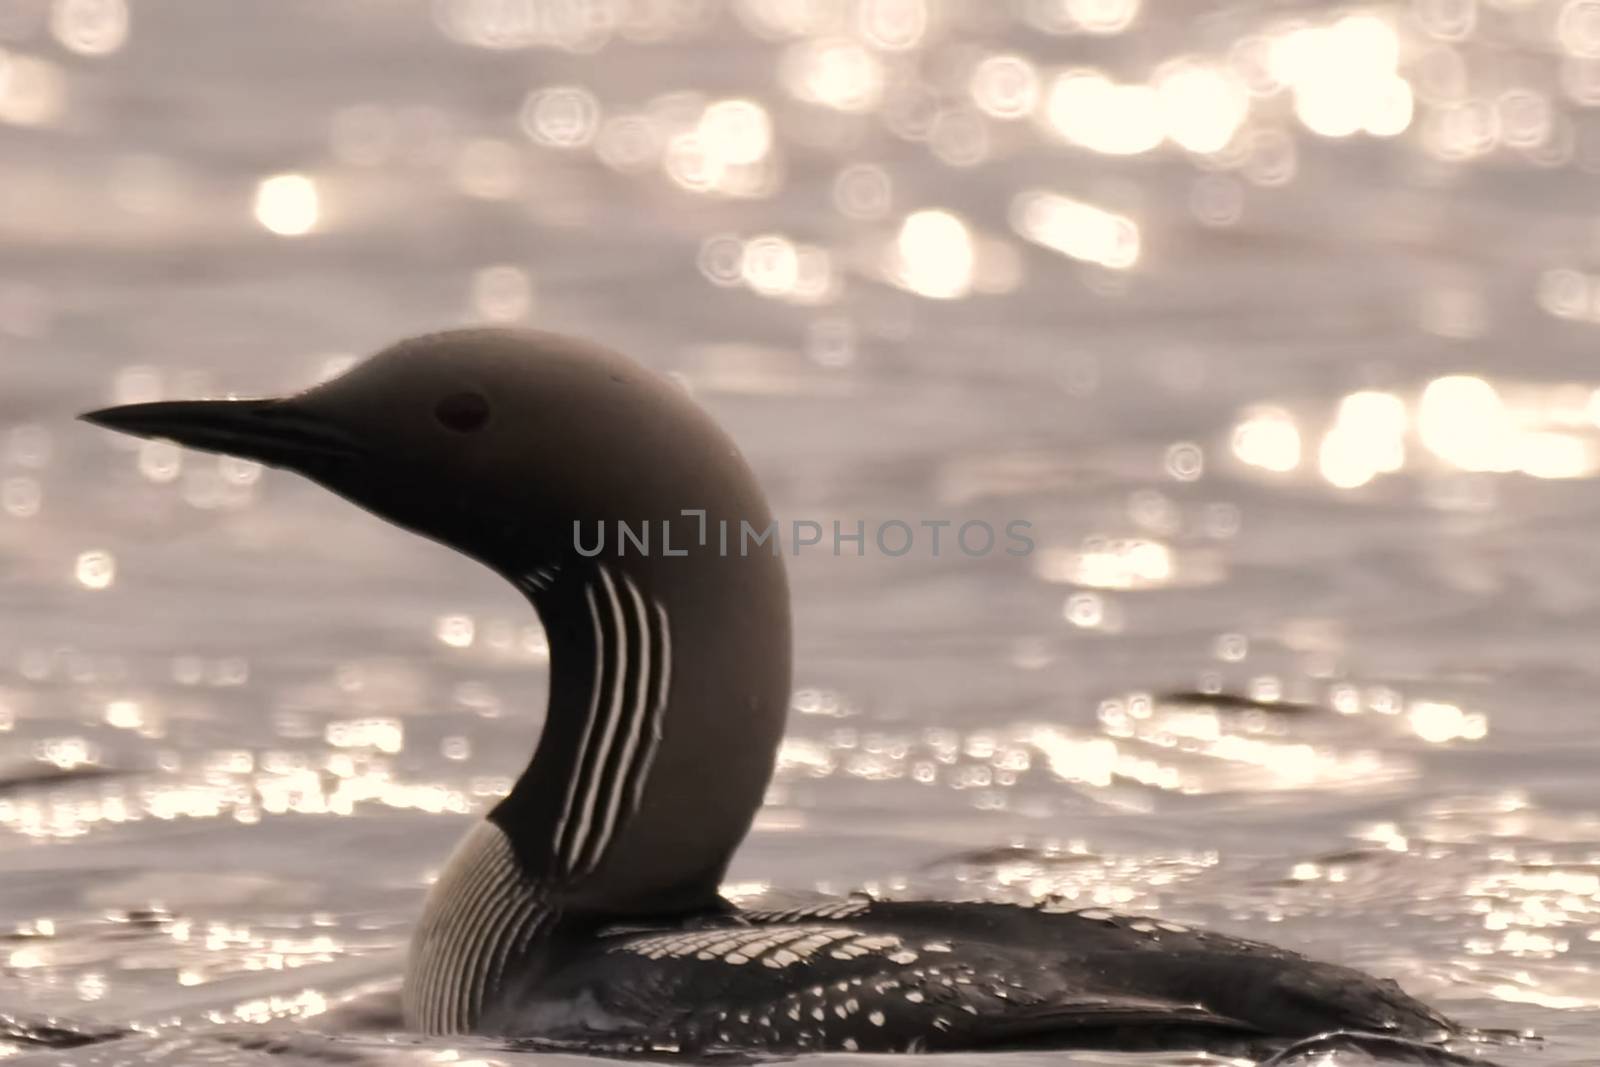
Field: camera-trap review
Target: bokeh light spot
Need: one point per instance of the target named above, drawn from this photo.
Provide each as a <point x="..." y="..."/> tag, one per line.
<point x="287" y="204"/>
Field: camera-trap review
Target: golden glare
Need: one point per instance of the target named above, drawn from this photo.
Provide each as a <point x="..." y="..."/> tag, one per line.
<point x="1344" y="76"/>
<point x="770" y="264"/>
<point x="1268" y="438"/>
<point x="1093" y="112"/>
<point x="1202" y="106"/>
<point x="95" y="569"/>
<point x="287" y="204"/>
<point x="1462" y="420"/>
<point x="738" y="132"/>
<point x="1076" y="229"/>
<point x="33" y="91"/>
<point x="1367" y="439"/>
<point x="728" y="152"/>
<point x="1552" y="454"/>
<point x="90" y="27"/>
<point x="125" y="714"/>
<point x="1341" y="460"/>
<point x="1134" y="563"/>
<point x="833" y="72"/>
<point x="1437" y="722"/>
<point x="934" y="256"/>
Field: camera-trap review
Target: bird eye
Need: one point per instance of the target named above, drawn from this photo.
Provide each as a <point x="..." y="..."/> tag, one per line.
<point x="463" y="412"/>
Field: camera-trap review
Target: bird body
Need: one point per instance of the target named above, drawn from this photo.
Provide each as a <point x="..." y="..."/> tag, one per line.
<point x="585" y="907"/>
<point x="896" y="976"/>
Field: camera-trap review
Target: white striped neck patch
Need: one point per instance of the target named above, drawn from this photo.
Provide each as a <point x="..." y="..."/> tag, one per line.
<point x="631" y="679"/>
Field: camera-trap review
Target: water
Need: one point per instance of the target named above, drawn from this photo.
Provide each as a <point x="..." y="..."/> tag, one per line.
<point x="921" y="273"/>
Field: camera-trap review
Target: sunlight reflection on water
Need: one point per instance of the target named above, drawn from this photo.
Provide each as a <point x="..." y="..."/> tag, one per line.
<point x="1276" y="321"/>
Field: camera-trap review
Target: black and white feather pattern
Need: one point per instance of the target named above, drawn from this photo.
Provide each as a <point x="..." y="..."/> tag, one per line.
<point x="862" y="975"/>
<point x="632" y="640"/>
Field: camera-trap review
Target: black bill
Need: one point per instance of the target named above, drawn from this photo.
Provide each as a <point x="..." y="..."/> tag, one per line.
<point x="274" y="432"/>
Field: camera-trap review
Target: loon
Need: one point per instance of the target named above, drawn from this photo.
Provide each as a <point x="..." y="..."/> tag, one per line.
<point x="585" y="907"/>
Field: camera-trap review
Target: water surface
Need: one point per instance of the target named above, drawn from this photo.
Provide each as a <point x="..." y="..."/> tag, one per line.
<point x="1276" y="320"/>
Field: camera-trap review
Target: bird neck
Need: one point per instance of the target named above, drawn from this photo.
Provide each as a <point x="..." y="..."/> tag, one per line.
<point x="669" y="684"/>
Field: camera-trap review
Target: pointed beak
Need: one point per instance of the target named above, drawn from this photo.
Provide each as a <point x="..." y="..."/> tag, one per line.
<point x="275" y="432"/>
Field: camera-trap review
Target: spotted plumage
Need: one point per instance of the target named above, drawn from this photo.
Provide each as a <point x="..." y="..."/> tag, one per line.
<point x="883" y="976"/>
<point x="585" y="908"/>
